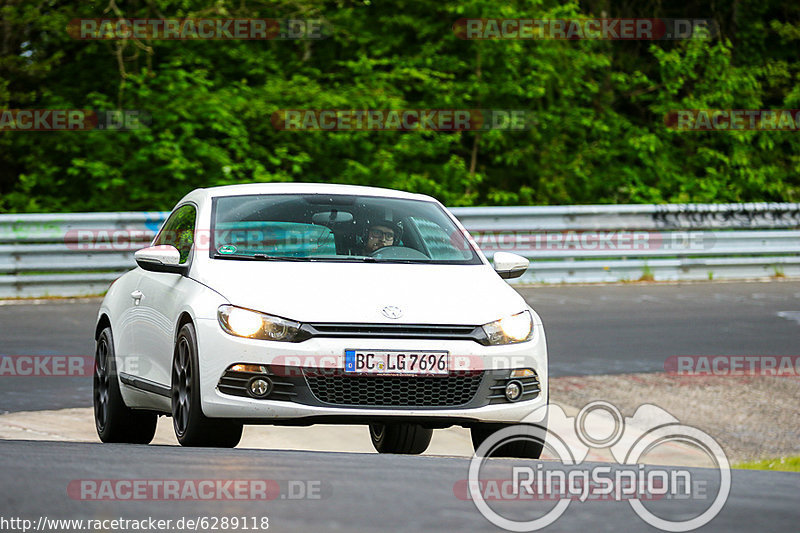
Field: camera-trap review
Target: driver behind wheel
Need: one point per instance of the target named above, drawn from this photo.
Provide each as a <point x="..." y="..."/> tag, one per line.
<point x="381" y="234"/>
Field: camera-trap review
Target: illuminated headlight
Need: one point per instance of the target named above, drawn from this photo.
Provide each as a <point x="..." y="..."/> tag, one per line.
<point x="245" y="323"/>
<point x="509" y="330"/>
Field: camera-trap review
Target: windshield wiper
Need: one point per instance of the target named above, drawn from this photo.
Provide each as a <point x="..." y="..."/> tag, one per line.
<point x="404" y="261"/>
<point x="261" y="257"/>
<point x="265" y="257"/>
<point x="321" y="259"/>
<point x="348" y="259"/>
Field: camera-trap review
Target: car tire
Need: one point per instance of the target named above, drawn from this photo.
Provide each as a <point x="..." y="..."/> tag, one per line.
<point x="400" y="438"/>
<point x="528" y="448"/>
<point x="115" y="421"/>
<point x="192" y="427"/>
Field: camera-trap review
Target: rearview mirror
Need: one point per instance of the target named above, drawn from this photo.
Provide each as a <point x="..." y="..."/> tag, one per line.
<point x="328" y="218"/>
<point x="162" y="258"/>
<point x="509" y="265"/>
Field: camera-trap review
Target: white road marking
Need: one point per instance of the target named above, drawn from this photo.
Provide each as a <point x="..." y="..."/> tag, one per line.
<point x="790" y="315"/>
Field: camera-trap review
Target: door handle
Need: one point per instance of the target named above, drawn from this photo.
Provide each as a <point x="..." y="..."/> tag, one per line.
<point x="137" y="296"/>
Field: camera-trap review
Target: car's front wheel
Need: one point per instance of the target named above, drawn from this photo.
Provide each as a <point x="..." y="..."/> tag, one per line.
<point x="192" y="427"/>
<point x="400" y="438"/>
<point x="529" y="446"/>
<point x="115" y="421"/>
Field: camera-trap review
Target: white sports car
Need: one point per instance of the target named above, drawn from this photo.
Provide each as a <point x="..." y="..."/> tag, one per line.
<point x="297" y="304"/>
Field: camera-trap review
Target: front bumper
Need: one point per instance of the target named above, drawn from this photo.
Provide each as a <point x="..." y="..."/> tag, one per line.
<point x="219" y="350"/>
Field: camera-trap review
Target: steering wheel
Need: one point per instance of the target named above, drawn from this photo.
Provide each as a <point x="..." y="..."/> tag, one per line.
<point x="398" y="252"/>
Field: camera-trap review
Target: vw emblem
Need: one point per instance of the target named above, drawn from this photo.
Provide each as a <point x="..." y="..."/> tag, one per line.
<point x="390" y="311"/>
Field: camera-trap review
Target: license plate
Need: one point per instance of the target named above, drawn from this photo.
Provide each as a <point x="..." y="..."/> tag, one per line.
<point x="387" y="363"/>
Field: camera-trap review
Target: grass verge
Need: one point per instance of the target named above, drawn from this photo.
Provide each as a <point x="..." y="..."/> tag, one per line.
<point x="784" y="464"/>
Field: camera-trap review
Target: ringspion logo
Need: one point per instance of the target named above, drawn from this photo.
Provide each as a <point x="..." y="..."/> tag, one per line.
<point x="571" y="478"/>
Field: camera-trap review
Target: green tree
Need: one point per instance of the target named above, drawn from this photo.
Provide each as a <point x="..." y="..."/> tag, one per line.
<point x="598" y="134"/>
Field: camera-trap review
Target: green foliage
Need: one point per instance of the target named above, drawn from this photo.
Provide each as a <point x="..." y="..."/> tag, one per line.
<point x="647" y="273"/>
<point x="599" y="134"/>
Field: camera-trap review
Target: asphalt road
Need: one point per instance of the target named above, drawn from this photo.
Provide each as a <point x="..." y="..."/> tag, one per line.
<point x="357" y="492"/>
<point x="590" y="330"/>
<point x="612" y="329"/>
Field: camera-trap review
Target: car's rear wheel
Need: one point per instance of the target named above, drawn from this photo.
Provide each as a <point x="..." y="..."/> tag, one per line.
<point x="115" y="421"/>
<point x="529" y="447"/>
<point x="192" y="427"/>
<point x="400" y="438"/>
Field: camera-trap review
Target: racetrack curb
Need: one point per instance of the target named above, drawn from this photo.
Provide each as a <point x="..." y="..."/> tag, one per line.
<point x="77" y="425"/>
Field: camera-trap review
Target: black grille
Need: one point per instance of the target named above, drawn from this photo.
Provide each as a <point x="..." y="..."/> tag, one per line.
<point x="396" y="391"/>
<point x="394" y="331"/>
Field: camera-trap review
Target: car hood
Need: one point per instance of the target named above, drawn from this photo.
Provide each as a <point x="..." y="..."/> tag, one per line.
<point x="356" y="292"/>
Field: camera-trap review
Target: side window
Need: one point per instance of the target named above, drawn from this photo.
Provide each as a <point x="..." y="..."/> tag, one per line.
<point x="178" y="231"/>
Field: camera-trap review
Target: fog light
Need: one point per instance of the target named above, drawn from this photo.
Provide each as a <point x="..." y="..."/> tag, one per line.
<point x="259" y="369"/>
<point x="260" y="387"/>
<point x="513" y="391"/>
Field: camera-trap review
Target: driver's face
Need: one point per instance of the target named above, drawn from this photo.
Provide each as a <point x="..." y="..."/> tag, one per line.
<point x="378" y="237"/>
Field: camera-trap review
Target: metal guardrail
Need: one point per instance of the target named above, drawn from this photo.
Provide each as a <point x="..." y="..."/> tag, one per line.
<point x="82" y="253"/>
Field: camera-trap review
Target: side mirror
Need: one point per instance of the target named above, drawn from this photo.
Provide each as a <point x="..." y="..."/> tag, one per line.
<point x="163" y="258"/>
<point x="510" y="265"/>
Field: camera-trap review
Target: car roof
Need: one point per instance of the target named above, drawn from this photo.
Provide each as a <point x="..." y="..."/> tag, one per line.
<point x="298" y="188"/>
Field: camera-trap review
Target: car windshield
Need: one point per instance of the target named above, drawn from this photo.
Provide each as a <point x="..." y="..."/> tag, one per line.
<point x="317" y="227"/>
